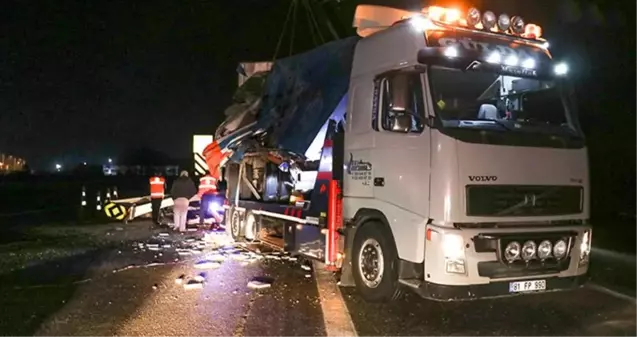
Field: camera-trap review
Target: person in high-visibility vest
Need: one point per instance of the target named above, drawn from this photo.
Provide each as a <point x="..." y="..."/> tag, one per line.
<point x="157" y="190"/>
<point x="207" y="192"/>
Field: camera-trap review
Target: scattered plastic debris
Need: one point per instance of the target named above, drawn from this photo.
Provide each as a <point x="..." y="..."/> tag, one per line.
<point x="306" y="267"/>
<point x="207" y="264"/>
<point x="164" y="234"/>
<point x="155" y="287"/>
<point x="193" y="284"/>
<point x="308" y="275"/>
<point x="201" y="277"/>
<point x="260" y="283"/>
<point x="292" y="258"/>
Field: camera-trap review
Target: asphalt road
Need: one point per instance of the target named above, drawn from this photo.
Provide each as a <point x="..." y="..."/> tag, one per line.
<point x="133" y="291"/>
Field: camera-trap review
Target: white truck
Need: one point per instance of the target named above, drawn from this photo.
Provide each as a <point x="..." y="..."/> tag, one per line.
<point x="443" y="154"/>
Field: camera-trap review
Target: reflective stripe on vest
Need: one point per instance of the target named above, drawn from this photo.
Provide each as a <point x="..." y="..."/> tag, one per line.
<point x="157" y="187"/>
<point x="206" y="184"/>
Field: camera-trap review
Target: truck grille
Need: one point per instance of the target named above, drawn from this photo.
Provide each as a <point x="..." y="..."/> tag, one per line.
<point x="521" y="200"/>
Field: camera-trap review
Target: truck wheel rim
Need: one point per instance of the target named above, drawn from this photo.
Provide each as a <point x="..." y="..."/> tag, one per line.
<point x="371" y="263"/>
<point x="235" y="224"/>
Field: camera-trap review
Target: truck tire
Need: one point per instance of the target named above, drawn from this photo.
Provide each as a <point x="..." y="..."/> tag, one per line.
<point x="235" y="225"/>
<point x="251" y="226"/>
<point x="375" y="264"/>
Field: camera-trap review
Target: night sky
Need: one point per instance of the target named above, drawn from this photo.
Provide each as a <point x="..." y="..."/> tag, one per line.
<point x="85" y="80"/>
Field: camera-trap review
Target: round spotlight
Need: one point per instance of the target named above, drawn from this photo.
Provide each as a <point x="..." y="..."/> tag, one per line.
<point x="561" y="69"/>
<point x="517" y="25"/>
<point x="528" y="63"/>
<point x="544" y="249"/>
<point x="488" y="20"/>
<point x="451" y="52"/>
<point x="504" y="22"/>
<point x="494" y="57"/>
<point x="512" y="251"/>
<point x="529" y="249"/>
<point x="473" y="16"/>
<point x="559" y="250"/>
<point x="511" y="60"/>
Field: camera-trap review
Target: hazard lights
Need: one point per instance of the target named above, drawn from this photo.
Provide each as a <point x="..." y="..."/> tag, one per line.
<point x="115" y="211"/>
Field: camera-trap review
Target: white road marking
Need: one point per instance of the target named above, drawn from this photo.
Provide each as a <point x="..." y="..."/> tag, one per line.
<point x="336" y="317"/>
<point x="611" y="292"/>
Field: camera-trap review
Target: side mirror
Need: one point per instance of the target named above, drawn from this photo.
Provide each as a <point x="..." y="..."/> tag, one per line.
<point x="400" y="122"/>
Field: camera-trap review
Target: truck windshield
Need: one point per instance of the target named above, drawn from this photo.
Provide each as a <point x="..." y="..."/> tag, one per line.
<point x="484" y="100"/>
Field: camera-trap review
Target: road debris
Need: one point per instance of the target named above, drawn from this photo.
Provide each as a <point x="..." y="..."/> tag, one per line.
<point x="155" y="287"/>
<point x="306" y="267"/>
<point x="201" y="277"/>
<point x="260" y="283"/>
<point x="207" y="264"/>
<point x="193" y="284"/>
<point x="180" y="279"/>
<point x="164" y="234"/>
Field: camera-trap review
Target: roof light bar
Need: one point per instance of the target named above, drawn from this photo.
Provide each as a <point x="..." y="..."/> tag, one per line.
<point x="488" y="20"/>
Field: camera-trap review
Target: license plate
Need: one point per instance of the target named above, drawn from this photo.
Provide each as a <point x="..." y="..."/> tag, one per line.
<point x="524" y="286"/>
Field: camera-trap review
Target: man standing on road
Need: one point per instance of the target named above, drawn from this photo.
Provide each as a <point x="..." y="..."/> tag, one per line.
<point x="207" y="192"/>
<point x="157" y="188"/>
<point x="182" y="191"/>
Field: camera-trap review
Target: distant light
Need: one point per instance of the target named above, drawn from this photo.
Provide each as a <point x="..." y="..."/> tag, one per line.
<point x="84" y="163"/>
<point x="511" y="60"/>
<point x="561" y="69"/>
<point x="110" y="160"/>
<point x="58" y="167"/>
<point x="546" y="45"/>
<point x="529" y="63"/>
<point x="451" y="52"/>
<point x="494" y="57"/>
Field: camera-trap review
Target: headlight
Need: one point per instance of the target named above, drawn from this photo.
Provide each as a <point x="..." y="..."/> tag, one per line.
<point x="529" y="249"/>
<point x="488" y="20"/>
<point x="451" y="52"/>
<point x="512" y="251"/>
<point x="560" y="69"/>
<point x="517" y="25"/>
<point x="453" y="249"/>
<point x="544" y="249"/>
<point x="453" y="246"/>
<point x="473" y="17"/>
<point x="504" y="22"/>
<point x="559" y="250"/>
<point x="585" y="248"/>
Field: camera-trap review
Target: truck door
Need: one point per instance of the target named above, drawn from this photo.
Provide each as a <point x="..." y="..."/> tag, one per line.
<point x="401" y="172"/>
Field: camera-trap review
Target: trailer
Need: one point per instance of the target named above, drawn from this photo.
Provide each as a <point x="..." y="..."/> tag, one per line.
<point x="438" y="151"/>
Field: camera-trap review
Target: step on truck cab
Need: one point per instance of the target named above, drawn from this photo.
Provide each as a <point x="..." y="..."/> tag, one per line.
<point x="452" y="164"/>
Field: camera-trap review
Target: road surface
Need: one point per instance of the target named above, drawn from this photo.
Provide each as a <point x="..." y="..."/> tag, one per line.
<point x="132" y="290"/>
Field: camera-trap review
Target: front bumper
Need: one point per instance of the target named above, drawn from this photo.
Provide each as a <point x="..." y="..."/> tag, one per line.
<point x="447" y="293"/>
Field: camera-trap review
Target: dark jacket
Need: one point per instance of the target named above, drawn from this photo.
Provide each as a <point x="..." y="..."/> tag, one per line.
<point x="183" y="187"/>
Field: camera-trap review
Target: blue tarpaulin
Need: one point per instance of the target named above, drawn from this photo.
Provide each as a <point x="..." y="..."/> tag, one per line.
<point x="301" y="92"/>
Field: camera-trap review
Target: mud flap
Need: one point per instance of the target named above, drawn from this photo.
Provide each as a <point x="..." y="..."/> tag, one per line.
<point x="347" y="277"/>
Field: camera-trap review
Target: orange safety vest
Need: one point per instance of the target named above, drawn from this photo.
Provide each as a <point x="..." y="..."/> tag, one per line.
<point x="207" y="184"/>
<point x="157" y="187"/>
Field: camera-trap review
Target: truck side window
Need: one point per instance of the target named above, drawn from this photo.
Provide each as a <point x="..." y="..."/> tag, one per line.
<point x="402" y="96"/>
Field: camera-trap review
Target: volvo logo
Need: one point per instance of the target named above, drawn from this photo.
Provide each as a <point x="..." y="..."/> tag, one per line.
<point x="530" y="200"/>
<point x="483" y="178"/>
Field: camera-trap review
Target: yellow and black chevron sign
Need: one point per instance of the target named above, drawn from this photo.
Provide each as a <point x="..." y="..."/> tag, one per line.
<point x="116" y="211"/>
